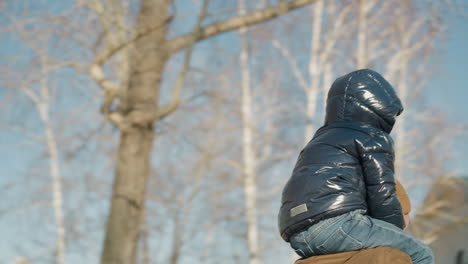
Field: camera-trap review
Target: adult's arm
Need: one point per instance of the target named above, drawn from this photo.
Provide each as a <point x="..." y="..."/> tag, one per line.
<point x="403" y="197"/>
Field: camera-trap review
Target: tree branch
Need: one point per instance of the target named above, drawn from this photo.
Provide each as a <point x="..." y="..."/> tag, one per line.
<point x="180" y="83"/>
<point x="292" y="63"/>
<point x="181" y="42"/>
<point x="111" y="91"/>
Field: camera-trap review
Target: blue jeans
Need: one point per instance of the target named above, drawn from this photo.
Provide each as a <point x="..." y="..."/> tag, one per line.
<point x="354" y="231"/>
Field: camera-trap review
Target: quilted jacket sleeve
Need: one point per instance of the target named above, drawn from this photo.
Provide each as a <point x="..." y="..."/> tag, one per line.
<point x="377" y="158"/>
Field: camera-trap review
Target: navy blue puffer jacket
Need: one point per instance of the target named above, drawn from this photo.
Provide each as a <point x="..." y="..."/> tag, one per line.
<point x="348" y="164"/>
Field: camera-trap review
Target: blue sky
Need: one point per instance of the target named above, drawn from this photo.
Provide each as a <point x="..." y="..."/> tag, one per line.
<point x="449" y="88"/>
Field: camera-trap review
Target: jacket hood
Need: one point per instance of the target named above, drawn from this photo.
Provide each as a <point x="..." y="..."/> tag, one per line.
<point x="363" y="96"/>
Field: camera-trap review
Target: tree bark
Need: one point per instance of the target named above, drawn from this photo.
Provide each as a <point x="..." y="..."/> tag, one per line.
<point x="148" y="57"/>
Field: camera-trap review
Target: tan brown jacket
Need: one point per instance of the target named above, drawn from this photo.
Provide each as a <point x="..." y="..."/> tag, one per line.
<point x="403" y="197"/>
<point x="380" y="255"/>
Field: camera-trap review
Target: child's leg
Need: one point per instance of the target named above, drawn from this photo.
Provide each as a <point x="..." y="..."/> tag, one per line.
<point x="353" y="231"/>
<point x="315" y="240"/>
<point x="380" y="233"/>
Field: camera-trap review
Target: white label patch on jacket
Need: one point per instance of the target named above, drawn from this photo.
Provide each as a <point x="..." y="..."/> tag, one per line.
<point x="298" y="210"/>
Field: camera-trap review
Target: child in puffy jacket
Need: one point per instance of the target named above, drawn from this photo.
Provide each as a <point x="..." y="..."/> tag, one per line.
<point x="341" y="194"/>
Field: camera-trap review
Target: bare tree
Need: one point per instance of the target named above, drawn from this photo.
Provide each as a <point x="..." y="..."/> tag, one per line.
<point x="42" y="103"/>
<point x="249" y="157"/>
<point x="138" y="107"/>
<point x="186" y="210"/>
<point x="414" y="41"/>
<point x="324" y="39"/>
<point x="37" y="88"/>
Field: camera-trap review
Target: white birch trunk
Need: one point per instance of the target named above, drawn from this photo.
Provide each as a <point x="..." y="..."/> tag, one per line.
<point x="249" y="159"/>
<point x="314" y="70"/>
<point x="41" y="102"/>
<point x="57" y="201"/>
<point x="314" y="75"/>
<point x="362" y="35"/>
<point x="400" y="149"/>
<point x="327" y="82"/>
<point x="402" y="94"/>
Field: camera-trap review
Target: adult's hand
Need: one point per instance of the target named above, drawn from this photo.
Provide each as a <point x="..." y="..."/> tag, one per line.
<point x="407" y="221"/>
